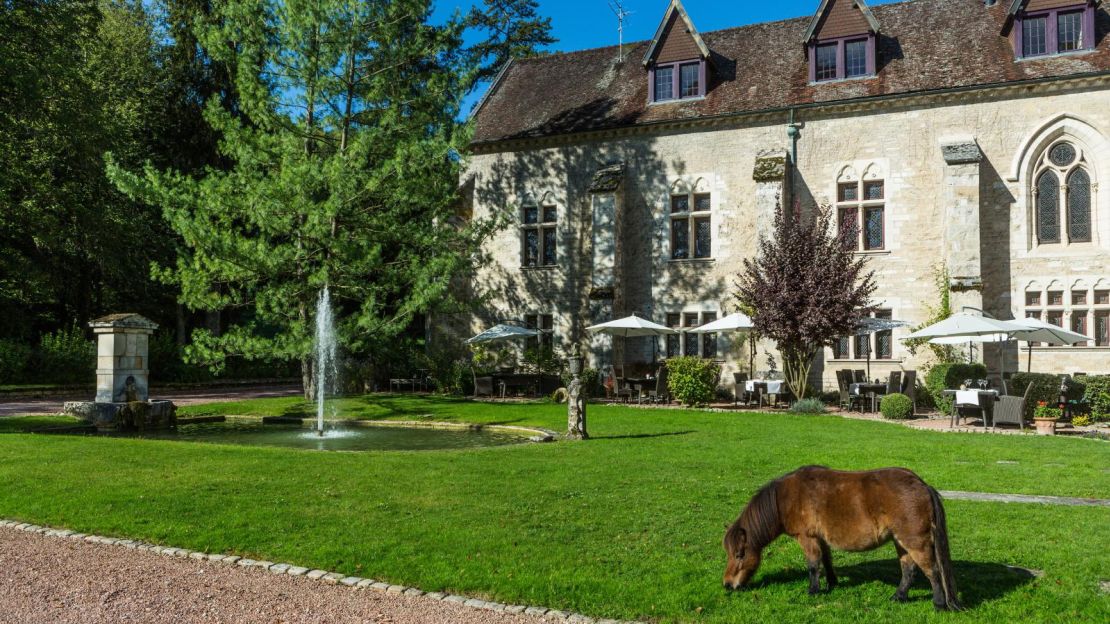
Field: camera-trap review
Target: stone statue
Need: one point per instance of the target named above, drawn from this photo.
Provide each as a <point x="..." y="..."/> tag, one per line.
<point x="130" y="390"/>
<point x="576" y="401"/>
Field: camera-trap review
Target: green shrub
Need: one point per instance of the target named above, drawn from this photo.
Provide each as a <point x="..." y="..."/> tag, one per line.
<point x="14" y="359"/>
<point x="809" y="406"/>
<point x="1096" y="393"/>
<point x="896" y="406"/>
<point x="692" y="380"/>
<point x="66" y="356"/>
<point x="1081" y="421"/>
<point x="1046" y="389"/>
<point x="943" y="377"/>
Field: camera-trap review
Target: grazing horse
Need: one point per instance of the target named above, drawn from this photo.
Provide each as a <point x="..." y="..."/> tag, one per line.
<point x="823" y="508"/>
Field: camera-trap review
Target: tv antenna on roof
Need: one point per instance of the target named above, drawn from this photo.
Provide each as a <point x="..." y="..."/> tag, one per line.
<point x="617" y="6"/>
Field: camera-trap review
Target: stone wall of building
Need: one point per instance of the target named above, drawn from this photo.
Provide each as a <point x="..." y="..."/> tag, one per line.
<point x="927" y="196"/>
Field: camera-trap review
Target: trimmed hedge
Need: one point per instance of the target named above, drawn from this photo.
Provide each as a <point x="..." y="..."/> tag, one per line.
<point x="943" y="377"/>
<point x="1046" y="388"/>
<point x="1097" y="395"/>
<point x="692" y="380"/>
<point x="896" y="406"/>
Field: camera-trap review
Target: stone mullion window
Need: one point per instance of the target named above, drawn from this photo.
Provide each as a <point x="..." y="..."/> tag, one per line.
<point x="691" y="226"/>
<point x="1079" y="324"/>
<point x="674" y="341"/>
<point x="545" y="324"/>
<point x="687" y="342"/>
<point x="861" y="206"/>
<point x="1102" y="328"/>
<point x="539" y="236"/>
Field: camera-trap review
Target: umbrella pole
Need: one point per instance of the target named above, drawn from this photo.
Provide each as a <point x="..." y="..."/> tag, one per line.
<point x="1029" y="358"/>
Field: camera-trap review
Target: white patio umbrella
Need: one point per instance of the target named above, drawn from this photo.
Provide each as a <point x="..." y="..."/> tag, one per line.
<point x="501" y="332"/>
<point x="964" y="327"/>
<point x="630" y="326"/>
<point x="732" y="322"/>
<point x="1041" y="331"/>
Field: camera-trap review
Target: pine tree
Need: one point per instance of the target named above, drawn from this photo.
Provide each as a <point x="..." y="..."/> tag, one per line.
<point x="343" y="152"/>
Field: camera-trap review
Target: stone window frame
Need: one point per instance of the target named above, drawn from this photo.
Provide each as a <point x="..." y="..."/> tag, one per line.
<point x="1064" y="175"/>
<point x="848" y="348"/>
<point x="686" y="343"/>
<point x="542" y="226"/>
<point x="1080" y="314"/>
<point x="545" y="324"/>
<point x="690" y="217"/>
<point x="860" y="207"/>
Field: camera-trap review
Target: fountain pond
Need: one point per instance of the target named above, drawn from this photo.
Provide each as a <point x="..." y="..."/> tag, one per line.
<point x="337" y="437"/>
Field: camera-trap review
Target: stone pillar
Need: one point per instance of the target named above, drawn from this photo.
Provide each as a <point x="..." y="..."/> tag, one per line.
<point x="604" y="301"/>
<point x="122" y="366"/>
<point x="772" y="190"/>
<point x="962" y="231"/>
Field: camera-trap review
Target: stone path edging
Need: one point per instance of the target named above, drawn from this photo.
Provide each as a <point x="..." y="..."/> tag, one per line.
<point x="324" y="576"/>
<point x="1025" y="498"/>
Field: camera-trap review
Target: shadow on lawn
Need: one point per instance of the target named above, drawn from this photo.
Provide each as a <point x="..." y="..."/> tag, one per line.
<point x="976" y="581"/>
<point x="635" y="436"/>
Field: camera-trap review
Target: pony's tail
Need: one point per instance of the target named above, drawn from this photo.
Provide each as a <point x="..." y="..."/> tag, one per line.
<point x="943" y="557"/>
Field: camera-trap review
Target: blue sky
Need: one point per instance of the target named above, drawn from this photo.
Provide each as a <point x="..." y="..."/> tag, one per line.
<point x="582" y="24"/>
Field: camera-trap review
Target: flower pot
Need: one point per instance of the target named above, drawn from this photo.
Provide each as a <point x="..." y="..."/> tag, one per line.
<point x="1045" y="426"/>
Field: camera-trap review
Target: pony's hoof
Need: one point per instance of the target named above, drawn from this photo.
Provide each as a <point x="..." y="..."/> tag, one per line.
<point x="814" y="592"/>
<point x="899" y="598"/>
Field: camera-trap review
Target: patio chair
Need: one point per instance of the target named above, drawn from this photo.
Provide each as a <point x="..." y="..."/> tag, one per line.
<point x="741" y="391"/>
<point x="483" y="386"/>
<point x="844" y="387"/>
<point x="859" y="376"/>
<point x="909" y="387"/>
<point x="661" y="393"/>
<point x="1011" y="409"/>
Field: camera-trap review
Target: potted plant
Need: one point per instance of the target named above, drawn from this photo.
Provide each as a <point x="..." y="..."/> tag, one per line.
<point x="1045" y="418"/>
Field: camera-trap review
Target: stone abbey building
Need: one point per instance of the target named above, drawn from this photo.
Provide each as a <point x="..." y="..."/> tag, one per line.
<point x="967" y="134"/>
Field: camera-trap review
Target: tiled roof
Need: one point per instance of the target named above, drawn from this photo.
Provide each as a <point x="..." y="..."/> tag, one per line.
<point x="924" y="45"/>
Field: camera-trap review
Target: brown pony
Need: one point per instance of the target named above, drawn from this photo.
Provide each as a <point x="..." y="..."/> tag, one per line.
<point x="823" y="508"/>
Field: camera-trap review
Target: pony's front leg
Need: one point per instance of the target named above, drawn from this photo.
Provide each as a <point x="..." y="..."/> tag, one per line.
<point x="812" y="549"/>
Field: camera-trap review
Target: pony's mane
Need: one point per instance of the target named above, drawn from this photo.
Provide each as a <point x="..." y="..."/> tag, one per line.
<point x="761" y="517"/>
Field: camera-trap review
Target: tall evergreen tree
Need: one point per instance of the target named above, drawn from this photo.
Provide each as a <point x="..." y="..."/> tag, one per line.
<point x="509" y="29"/>
<point x="343" y="161"/>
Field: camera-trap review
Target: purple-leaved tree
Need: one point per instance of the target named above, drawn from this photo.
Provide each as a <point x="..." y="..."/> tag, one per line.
<point x="806" y="287"/>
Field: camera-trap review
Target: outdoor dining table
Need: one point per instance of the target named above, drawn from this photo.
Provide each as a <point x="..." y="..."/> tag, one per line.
<point x="508" y="382"/>
<point x="637" y="383"/>
<point x="983" y="399"/>
<point x="773" y="386"/>
<point x="866" y="389"/>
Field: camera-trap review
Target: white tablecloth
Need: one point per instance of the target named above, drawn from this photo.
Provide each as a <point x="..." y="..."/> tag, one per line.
<point x="970" y="397"/>
<point x="773" y="386"/>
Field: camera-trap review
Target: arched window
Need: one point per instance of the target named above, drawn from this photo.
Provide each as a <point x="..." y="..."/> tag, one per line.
<point x="1062" y="195"/>
<point x="1079" y="206"/>
<point x="1048" y="208"/>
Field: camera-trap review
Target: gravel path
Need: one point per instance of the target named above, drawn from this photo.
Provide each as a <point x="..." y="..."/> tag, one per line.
<point x="53" y="405"/>
<point x="64" y="581"/>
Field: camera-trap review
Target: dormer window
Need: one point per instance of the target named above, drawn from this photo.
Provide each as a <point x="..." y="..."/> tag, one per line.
<point x="841" y="41"/>
<point x="1055" y="31"/>
<point x="676" y="58"/>
<point x="689" y="83"/>
<point x="841" y="59"/>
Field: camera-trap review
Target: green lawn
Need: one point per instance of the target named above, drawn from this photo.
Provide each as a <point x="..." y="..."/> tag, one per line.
<point x="625" y="525"/>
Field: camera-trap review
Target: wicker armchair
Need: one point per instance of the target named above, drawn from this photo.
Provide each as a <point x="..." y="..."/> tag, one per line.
<point x="1011" y="409"/>
<point x="661" y="393"/>
<point x="741" y="379"/>
<point x="909" y="387"/>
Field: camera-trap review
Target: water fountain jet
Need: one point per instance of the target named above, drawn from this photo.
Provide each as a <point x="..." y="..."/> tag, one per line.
<point x="325" y="348"/>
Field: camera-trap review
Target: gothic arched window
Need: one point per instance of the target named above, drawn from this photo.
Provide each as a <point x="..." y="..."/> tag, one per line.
<point x="1062" y="195"/>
